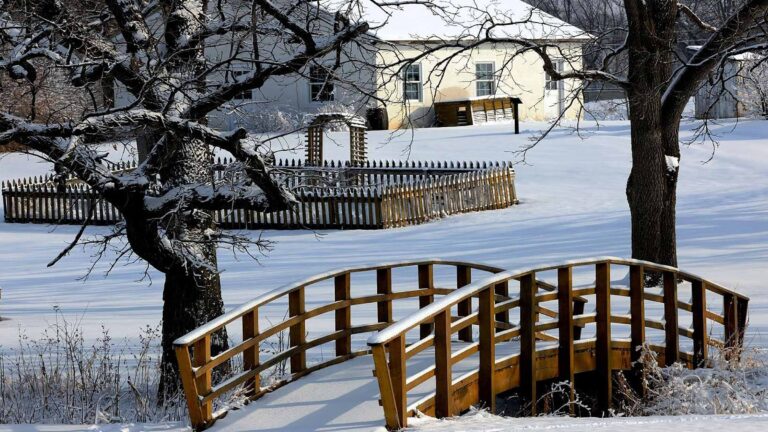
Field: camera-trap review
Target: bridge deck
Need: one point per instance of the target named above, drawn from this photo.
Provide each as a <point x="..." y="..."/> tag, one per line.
<point x="343" y="397"/>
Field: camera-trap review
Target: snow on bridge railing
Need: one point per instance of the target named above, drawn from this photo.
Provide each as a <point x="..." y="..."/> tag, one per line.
<point x="533" y="363"/>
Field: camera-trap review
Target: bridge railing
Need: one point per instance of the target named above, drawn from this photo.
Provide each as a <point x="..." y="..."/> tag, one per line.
<point x="533" y="360"/>
<point x="345" y="296"/>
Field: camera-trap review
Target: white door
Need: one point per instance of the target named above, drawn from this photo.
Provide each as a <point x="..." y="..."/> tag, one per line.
<point x="554" y="93"/>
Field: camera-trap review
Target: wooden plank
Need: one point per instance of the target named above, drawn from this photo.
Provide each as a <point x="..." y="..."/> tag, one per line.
<point x="603" y="343"/>
<point x="201" y="354"/>
<point x="502" y="289"/>
<point x="399" y="374"/>
<point x="464" y="278"/>
<point x="443" y="375"/>
<point x="566" y="367"/>
<point x="426" y="281"/>
<point x="391" y="415"/>
<point x="672" y="337"/>
<point x="528" y="341"/>
<point x="189" y="384"/>
<point x="251" y="355"/>
<point x="487" y="349"/>
<point x="699" y="312"/>
<point x="637" y="325"/>
<point x="297" y="332"/>
<point x="384" y="286"/>
<point x="343" y="315"/>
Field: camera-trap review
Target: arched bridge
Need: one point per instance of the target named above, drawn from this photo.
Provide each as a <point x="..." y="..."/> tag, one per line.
<point x="460" y="345"/>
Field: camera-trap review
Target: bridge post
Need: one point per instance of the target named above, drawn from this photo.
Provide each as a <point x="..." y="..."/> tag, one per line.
<point x="384" y="286"/>
<point x="398" y="372"/>
<point x="671" y="330"/>
<point x="391" y="416"/>
<point x="297" y="333"/>
<point x="565" y="356"/>
<point x="464" y="278"/>
<point x="528" y="340"/>
<point x="637" y="323"/>
<point x="201" y="354"/>
<point x="251" y="355"/>
<point x="603" y="343"/>
<point x="699" y="312"/>
<point x="487" y="348"/>
<point x="443" y="372"/>
<point x="343" y="315"/>
<point x="426" y="282"/>
<point x="735" y="315"/>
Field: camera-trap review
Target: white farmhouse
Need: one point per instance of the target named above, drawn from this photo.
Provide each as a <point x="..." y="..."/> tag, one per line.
<point x="387" y="76"/>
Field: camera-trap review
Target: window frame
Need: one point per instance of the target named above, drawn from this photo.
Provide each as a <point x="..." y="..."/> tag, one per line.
<point x="419" y="83"/>
<point x="549" y="83"/>
<point x="486" y="80"/>
<point x="326" y="85"/>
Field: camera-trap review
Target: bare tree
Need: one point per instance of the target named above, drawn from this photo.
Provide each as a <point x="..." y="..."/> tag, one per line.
<point x="650" y="65"/>
<point x="156" y="53"/>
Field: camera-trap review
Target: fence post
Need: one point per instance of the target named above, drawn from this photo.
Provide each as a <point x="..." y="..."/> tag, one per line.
<point x="443" y="375"/>
<point x="566" y="367"/>
<point x="426" y="282"/>
<point x="251" y="355"/>
<point x="672" y="341"/>
<point x="384" y="287"/>
<point x="298" y="331"/>
<point x="487" y="349"/>
<point x="603" y="344"/>
<point x="343" y="315"/>
<point x="528" y="340"/>
<point x="699" y="312"/>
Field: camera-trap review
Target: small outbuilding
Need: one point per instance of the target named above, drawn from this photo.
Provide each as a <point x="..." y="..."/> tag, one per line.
<point x="734" y="92"/>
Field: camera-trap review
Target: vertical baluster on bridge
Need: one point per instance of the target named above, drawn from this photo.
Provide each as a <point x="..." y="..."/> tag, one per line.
<point x="464" y="278"/>
<point x="566" y="366"/>
<point x="502" y="290"/>
<point x="399" y="374"/>
<point x="443" y="375"/>
<point x="201" y="355"/>
<point x="384" y="287"/>
<point x="528" y="340"/>
<point x="487" y="348"/>
<point x="426" y="282"/>
<point x="251" y="355"/>
<point x="297" y="333"/>
<point x="343" y="315"/>
<point x="637" y="325"/>
<point x="735" y="316"/>
<point x="386" y="387"/>
<point x="603" y="343"/>
<point x="671" y="331"/>
<point x="699" y="312"/>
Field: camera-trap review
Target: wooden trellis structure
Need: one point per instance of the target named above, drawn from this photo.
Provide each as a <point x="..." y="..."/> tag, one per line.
<point x="357" y="138"/>
<point x="551" y="312"/>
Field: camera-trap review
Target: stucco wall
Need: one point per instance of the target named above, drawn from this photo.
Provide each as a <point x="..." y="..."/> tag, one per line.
<point x="518" y="75"/>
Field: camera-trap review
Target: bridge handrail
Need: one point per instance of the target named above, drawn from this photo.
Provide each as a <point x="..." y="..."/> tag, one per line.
<point x="602" y="354"/>
<point x="474" y="288"/>
<point x="237" y="313"/>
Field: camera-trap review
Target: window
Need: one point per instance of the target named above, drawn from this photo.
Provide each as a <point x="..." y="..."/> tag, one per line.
<point x="244" y="95"/>
<point x="550" y="83"/>
<point x="320" y="84"/>
<point x="485" y="79"/>
<point x="413" y="86"/>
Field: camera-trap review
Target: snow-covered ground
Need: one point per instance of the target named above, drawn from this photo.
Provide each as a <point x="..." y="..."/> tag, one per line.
<point x="572" y="205"/>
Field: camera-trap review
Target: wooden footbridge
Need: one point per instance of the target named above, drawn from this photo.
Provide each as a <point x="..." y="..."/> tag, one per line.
<point x="466" y="343"/>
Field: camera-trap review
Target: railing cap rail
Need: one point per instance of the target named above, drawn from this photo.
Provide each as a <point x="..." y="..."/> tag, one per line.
<point x="400" y="327"/>
<point x="243" y="309"/>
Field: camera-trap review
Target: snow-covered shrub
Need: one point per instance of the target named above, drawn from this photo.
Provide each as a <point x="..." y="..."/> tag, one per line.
<point x="727" y="387"/>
